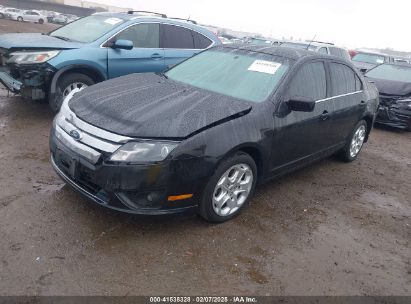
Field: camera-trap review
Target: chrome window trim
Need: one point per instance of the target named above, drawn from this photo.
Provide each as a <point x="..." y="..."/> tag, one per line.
<point x="159" y="22"/>
<point x="337" y="96"/>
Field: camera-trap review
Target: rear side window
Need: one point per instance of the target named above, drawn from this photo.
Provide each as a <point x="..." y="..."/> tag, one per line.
<point x="309" y="82"/>
<point x="176" y="37"/>
<point x="343" y="79"/>
<point x="143" y="35"/>
<point x="200" y="41"/>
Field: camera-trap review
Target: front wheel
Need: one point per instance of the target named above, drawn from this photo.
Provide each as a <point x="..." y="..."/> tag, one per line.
<point x="356" y="142"/>
<point x="20" y="19"/>
<point x="66" y="85"/>
<point x="41" y="21"/>
<point x="1" y="16"/>
<point x="229" y="189"/>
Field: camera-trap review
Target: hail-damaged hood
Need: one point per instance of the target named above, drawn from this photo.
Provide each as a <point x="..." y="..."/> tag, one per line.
<point x="151" y="106"/>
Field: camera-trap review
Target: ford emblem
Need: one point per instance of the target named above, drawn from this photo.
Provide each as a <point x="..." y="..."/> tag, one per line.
<point x="75" y="134"/>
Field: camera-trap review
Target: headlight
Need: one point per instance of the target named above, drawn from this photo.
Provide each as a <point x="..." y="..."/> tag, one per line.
<point x="146" y="151"/>
<point x="31" y="57"/>
<point x="405" y="102"/>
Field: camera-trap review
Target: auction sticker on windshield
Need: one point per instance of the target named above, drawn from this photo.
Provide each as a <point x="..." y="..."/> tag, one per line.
<point x="113" y="21"/>
<point x="263" y="66"/>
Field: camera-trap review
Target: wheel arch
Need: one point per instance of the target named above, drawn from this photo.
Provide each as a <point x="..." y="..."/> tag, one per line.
<point x="369" y="120"/>
<point x="254" y="152"/>
<point x="96" y="75"/>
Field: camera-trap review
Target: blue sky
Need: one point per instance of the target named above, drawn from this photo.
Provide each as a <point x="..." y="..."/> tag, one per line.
<point x="351" y="23"/>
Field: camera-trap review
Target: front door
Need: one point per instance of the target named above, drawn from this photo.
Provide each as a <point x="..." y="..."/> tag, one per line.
<point x="145" y="57"/>
<point x="301" y="136"/>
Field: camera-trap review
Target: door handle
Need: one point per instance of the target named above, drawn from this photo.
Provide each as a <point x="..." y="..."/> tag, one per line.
<point x="324" y="116"/>
<point x="156" y="56"/>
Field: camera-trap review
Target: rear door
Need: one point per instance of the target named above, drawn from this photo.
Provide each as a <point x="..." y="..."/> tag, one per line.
<point x="346" y="101"/>
<point x="301" y="136"/>
<point x="180" y="43"/>
<point x="146" y="56"/>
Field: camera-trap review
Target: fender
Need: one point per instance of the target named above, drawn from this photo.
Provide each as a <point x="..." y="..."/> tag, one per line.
<point x="57" y="75"/>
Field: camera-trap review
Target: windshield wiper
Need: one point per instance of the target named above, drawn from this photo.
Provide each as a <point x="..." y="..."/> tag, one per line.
<point x="162" y="75"/>
<point x="62" y="38"/>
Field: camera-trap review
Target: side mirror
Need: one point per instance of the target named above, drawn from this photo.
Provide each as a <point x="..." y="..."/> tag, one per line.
<point x="301" y="104"/>
<point x="123" y="44"/>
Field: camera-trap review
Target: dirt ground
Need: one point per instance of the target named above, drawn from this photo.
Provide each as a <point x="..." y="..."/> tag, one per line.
<point x="330" y="229"/>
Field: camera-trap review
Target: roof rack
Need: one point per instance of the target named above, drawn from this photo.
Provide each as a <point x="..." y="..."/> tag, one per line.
<point x="330" y="43"/>
<point x="188" y="20"/>
<point x="147" y="12"/>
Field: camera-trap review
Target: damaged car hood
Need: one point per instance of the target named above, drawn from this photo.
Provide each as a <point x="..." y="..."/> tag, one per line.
<point x="151" y="106"/>
<point x="34" y="41"/>
<point x="389" y="87"/>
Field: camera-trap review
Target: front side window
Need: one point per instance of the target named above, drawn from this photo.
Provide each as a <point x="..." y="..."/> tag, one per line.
<point x="247" y="76"/>
<point x="143" y="35"/>
<point x="309" y="82"/>
<point x="87" y="29"/>
<point x="343" y="79"/>
<point x="176" y="37"/>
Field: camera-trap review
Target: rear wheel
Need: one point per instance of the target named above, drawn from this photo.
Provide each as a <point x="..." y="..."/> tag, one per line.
<point x="66" y="85"/>
<point x="229" y="189"/>
<point x="1" y="16"/>
<point x="41" y="21"/>
<point x="356" y="142"/>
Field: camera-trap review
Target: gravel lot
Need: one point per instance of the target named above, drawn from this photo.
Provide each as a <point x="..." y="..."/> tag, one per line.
<point x="330" y="229"/>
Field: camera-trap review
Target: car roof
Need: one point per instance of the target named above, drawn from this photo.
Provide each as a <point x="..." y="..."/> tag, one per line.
<point x="158" y="18"/>
<point x="373" y="53"/>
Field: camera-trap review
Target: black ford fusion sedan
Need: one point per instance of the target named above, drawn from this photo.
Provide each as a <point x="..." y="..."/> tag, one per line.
<point x="393" y="81"/>
<point x="202" y="135"/>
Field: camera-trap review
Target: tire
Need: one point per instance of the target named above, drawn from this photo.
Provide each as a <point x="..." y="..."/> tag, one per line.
<point x="233" y="200"/>
<point x="41" y="21"/>
<point x="20" y="19"/>
<point x="1" y="16"/>
<point x="67" y="83"/>
<point x="355" y="143"/>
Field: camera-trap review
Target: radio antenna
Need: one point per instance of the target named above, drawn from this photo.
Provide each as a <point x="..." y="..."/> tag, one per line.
<point x="311" y="41"/>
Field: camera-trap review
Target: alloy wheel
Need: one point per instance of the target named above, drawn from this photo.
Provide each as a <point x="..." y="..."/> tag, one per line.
<point x="232" y="189"/>
<point x="357" y="141"/>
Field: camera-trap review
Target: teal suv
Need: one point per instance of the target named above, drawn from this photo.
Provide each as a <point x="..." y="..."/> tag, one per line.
<point x="95" y="48"/>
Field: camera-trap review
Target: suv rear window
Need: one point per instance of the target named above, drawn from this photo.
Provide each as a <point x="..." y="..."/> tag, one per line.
<point x="176" y="37"/>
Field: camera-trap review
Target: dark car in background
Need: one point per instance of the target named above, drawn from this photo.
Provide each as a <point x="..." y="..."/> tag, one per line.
<point x="202" y="135"/>
<point x="393" y="81"/>
<point x="320" y="47"/>
<point x="365" y="61"/>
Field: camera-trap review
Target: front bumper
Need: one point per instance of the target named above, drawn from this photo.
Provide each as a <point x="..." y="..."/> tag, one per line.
<point x="31" y="81"/>
<point x="394" y="116"/>
<point x="138" y="189"/>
